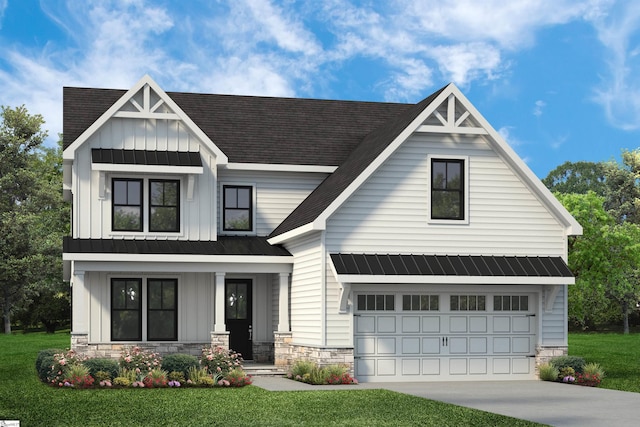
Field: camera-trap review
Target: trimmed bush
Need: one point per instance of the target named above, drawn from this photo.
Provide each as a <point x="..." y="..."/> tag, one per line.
<point x="102" y="364"/>
<point x="44" y="368"/>
<point x="575" y="362"/>
<point x="46" y="353"/>
<point x="179" y="363"/>
<point x="548" y="372"/>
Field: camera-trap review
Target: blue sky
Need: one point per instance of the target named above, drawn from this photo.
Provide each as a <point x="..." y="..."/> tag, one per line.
<point x="559" y="79"/>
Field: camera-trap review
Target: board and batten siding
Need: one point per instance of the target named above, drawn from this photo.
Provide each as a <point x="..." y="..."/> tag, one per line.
<point x="306" y="289"/>
<point x="198" y="216"/>
<point x="195" y="299"/>
<point x="389" y="213"/>
<point x="277" y="194"/>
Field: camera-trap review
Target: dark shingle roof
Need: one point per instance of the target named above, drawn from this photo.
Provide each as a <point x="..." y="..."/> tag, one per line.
<point x="252" y="129"/>
<point x="225" y="245"/>
<point x="448" y="265"/>
<point x="145" y="157"/>
<point x="362" y="156"/>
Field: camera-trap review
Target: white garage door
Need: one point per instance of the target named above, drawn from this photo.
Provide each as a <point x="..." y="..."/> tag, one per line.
<point x="446" y="337"/>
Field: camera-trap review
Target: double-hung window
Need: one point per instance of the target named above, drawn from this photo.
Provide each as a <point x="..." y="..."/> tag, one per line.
<point x="237" y="214"/>
<point x="130" y="201"/>
<point x="164" y="209"/>
<point x="162" y="314"/>
<point x="126" y="309"/>
<point x="447" y="189"/>
<point x="127" y="204"/>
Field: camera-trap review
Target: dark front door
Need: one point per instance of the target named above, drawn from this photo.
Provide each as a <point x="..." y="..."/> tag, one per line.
<point x="238" y="310"/>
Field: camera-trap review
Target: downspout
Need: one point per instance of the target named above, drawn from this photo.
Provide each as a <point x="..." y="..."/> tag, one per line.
<point x="323" y="288"/>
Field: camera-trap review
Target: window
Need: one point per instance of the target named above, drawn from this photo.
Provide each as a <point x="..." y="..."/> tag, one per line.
<point x="237" y="213"/>
<point x="127" y="205"/>
<point x="467" y="303"/>
<point x="126" y="319"/>
<point x="420" y="303"/>
<point x="447" y="189"/>
<point x="376" y="302"/>
<point x="164" y="210"/>
<point x="511" y="303"/>
<point x="162" y="314"/>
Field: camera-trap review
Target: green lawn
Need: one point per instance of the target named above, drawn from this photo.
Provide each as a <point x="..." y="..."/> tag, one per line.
<point x="618" y="354"/>
<point x="24" y="398"/>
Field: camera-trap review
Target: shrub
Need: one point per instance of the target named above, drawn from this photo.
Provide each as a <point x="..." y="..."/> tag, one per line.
<point x="548" y="372"/>
<point x="179" y="363"/>
<point x="177" y="376"/>
<point x="592" y="375"/>
<point x="49" y="352"/>
<point x="78" y="376"/>
<point x="102" y="364"/>
<point x="300" y="368"/>
<point x="575" y="362"/>
<point x="102" y="376"/>
<point x="199" y="376"/>
<point x="45" y="367"/>
<point x="220" y="360"/>
<point x="139" y="360"/>
<point x="155" y="378"/>
<point x="309" y="372"/>
<point x="567" y="375"/>
<point x="62" y="362"/>
<point x="121" y="381"/>
<point x="237" y="378"/>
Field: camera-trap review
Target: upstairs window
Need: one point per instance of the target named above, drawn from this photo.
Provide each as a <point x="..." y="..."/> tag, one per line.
<point x="164" y="211"/>
<point x="447" y="189"/>
<point x="238" y="208"/>
<point x="127" y="205"/>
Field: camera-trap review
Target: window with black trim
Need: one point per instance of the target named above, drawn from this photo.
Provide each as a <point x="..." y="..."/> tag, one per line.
<point x="238" y="208"/>
<point x="127" y="204"/>
<point x="379" y="302"/>
<point x="162" y="313"/>
<point x="447" y="189"/>
<point x="164" y="205"/>
<point x="510" y="303"/>
<point x="126" y="309"/>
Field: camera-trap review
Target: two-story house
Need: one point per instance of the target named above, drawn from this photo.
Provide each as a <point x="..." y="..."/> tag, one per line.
<point x="408" y="241"/>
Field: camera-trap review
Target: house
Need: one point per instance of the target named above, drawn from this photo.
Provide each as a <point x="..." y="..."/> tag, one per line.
<point x="408" y="241"/>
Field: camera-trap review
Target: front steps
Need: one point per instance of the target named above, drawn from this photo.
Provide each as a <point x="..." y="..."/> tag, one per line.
<point x="262" y="369"/>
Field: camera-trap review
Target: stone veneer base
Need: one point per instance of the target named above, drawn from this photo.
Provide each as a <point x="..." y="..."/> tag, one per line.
<point x="286" y="353"/>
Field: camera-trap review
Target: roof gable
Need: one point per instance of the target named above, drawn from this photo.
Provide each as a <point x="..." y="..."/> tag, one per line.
<point x="145" y="100"/>
<point x="445" y="111"/>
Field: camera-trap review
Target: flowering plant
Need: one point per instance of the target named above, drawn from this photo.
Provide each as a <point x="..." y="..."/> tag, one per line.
<point x="139" y="360"/>
<point x="155" y="378"/>
<point x="590" y="380"/>
<point x="236" y="378"/>
<point x="78" y="376"/>
<point x="569" y="379"/>
<point x="62" y="362"/>
<point x="219" y="360"/>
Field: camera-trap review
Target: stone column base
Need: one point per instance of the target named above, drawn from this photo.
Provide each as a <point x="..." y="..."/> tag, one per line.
<point x="220" y="339"/>
<point x="282" y="352"/>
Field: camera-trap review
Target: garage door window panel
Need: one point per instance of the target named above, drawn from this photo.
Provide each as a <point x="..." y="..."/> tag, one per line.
<point x="377" y="302"/>
<point x="467" y="303"/>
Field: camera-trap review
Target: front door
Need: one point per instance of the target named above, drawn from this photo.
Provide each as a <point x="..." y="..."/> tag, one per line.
<point x="238" y="310"/>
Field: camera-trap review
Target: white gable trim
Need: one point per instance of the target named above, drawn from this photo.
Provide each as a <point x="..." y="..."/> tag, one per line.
<point x="114" y="111"/>
<point x="280" y="168"/>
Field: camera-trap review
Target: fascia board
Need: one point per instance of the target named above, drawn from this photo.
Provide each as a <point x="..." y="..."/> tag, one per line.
<point x="296" y="232"/>
<point x="521" y="168"/>
<point x="183" y="258"/>
<point x="163" y="169"/>
<point x="279" y="167"/>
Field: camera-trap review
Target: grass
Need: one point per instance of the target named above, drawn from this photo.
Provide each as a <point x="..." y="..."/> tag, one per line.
<point x="618" y="354"/>
<point x="24" y="398"/>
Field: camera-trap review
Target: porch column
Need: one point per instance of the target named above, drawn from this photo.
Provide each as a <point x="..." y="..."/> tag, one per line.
<point x="219" y="325"/>
<point x="283" y="306"/>
<point x="80" y="298"/>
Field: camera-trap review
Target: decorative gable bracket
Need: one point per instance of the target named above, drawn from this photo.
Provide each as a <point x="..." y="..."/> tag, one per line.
<point x="452" y="117"/>
<point x="146" y="104"/>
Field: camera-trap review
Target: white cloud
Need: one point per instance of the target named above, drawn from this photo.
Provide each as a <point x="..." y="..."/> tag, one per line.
<point x="538" y="107"/>
<point x="619" y="91"/>
<point x="464" y="62"/>
<point x="3" y="6"/>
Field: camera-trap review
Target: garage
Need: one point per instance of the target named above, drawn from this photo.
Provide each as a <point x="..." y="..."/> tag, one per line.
<point x="458" y="334"/>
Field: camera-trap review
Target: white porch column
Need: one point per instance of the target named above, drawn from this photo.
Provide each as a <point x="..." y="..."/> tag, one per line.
<point x="283" y="306"/>
<point x="80" y="297"/>
<point x="219" y="325"/>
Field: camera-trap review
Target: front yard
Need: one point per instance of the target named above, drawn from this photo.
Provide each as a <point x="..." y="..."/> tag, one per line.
<point x="23" y="397"/>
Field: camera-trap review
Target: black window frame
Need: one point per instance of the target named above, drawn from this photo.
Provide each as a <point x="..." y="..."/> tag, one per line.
<point x="165" y="206"/>
<point x="116" y="282"/>
<point x="226" y="208"/>
<point x="172" y="311"/>
<point x="460" y="191"/>
<point x="115" y="205"/>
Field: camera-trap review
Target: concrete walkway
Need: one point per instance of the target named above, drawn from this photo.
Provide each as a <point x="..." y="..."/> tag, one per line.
<point x="543" y="402"/>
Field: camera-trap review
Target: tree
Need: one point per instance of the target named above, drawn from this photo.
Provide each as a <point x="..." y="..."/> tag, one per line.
<point x="622" y="194"/>
<point x="20" y="137"/>
<point x="578" y="178"/>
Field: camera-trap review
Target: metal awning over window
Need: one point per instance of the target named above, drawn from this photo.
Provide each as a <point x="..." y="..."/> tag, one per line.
<point x="184" y="162"/>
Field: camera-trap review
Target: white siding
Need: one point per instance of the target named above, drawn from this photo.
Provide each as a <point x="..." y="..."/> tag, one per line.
<point x="554" y="323"/>
<point x="306" y="290"/>
<point x="389" y="213"/>
<point x="277" y="193"/>
<point x="339" y="325"/>
<point x="93" y="219"/>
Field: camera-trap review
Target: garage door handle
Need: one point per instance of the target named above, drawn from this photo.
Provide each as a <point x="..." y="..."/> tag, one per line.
<point x="445" y="341"/>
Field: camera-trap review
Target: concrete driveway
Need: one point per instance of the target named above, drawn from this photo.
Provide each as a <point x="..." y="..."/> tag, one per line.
<point x="543" y="402"/>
